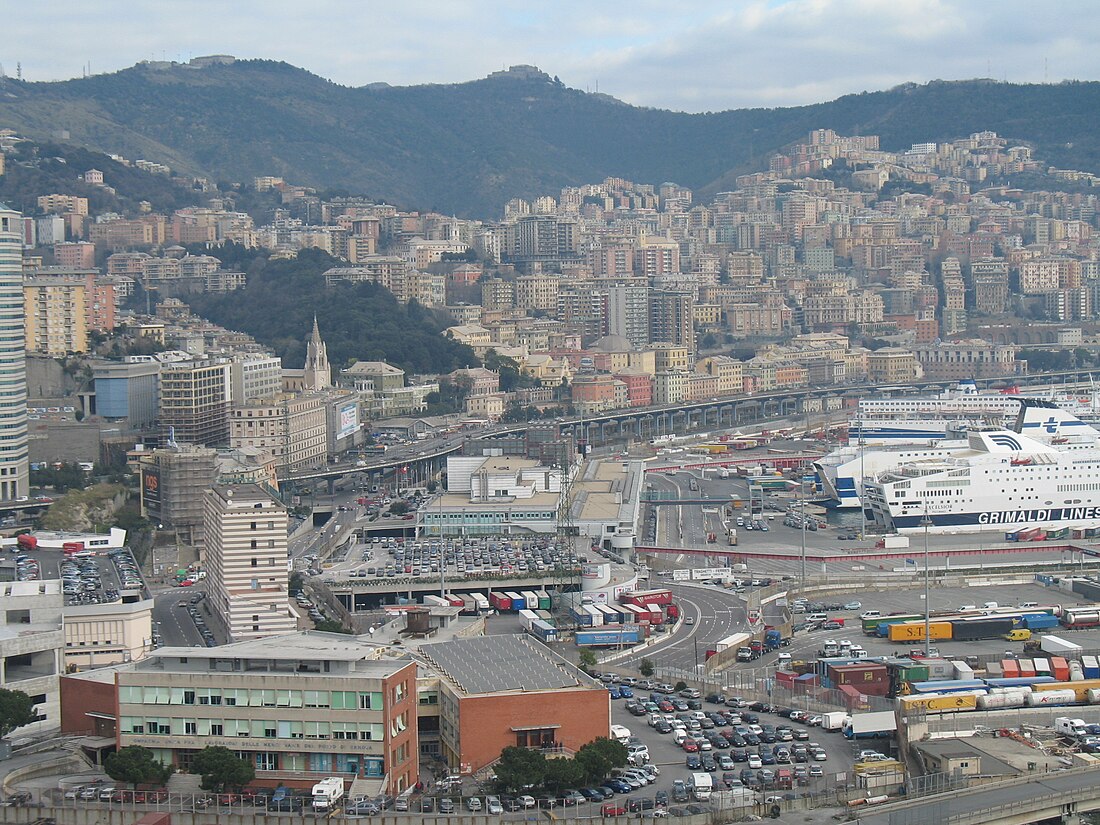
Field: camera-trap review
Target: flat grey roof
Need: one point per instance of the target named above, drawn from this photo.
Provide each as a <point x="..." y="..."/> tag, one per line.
<point x="494" y="664"/>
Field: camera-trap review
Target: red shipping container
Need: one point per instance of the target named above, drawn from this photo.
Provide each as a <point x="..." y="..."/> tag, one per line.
<point x="785" y="677"/>
<point x="857" y="675"/>
<point x="1059" y="668"/>
<point x="1011" y="668"/>
<point x="1027" y="668"/>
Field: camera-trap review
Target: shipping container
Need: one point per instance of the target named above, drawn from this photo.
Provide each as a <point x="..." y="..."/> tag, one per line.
<point x="940" y="703"/>
<point x="544" y="600"/>
<point x="1051" y="697"/>
<point x="853" y="699"/>
<point x="1081" y="689"/>
<point x="530" y="600"/>
<point x="871" y="626"/>
<point x="580" y="616"/>
<point x="946" y="686"/>
<point x="939" y="669"/>
<point x="527" y="617"/>
<point x="1038" y="621"/>
<point x="544" y="631"/>
<point x="1059" y="668"/>
<point x="1091" y="667"/>
<point x="609" y="637"/>
<point x="642" y="597"/>
<point x="610" y="614"/>
<point x="596" y="614"/>
<point x="1042" y="667"/>
<point x="1011" y="668"/>
<point x="483" y="604"/>
<point x="1027" y="667"/>
<point x="993" y="670"/>
<point x="972" y="630"/>
<point x="518" y="602"/>
<point x="857" y="675"/>
<point x="1019" y="682"/>
<point x="456" y="601"/>
<point x="469" y="606"/>
<point x="961" y="670"/>
<point x="914" y="631"/>
<point x="785" y="677"/>
<point x="500" y="601"/>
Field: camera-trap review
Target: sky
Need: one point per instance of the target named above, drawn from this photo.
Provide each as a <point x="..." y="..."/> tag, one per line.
<point x="696" y="55"/>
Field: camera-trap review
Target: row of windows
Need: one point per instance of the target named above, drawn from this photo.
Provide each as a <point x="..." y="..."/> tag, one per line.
<point x="245" y="697"/>
<point x="253" y="728"/>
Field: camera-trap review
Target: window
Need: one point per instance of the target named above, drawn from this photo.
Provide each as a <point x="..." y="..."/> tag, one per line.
<point x="428" y="697"/>
<point x="398" y="692"/>
<point x="370" y="701"/>
<point x="253" y="561"/>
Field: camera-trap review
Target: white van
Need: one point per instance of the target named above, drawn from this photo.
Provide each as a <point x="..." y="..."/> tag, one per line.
<point x="870" y="614"/>
<point x="620" y="733"/>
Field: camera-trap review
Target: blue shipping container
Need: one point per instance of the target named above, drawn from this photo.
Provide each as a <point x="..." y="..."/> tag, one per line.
<point x="1038" y="621"/>
<point x="608" y="638"/>
<point x="1020" y="681"/>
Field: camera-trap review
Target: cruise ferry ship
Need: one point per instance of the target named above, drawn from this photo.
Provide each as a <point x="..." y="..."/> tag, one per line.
<point x="839" y="472"/>
<point x="1000" y="481"/>
<point x="952" y="413"/>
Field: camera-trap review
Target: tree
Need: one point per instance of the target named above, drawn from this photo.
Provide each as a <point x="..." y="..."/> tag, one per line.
<point x="331" y="626"/>
<point x="562" y="774"/>
<point x="221" y="768"/>
<point x="519" y="769"/>
<point x="588" y="660"/>
<point x="646" y="668"/>
<point x="612" y="750"/>
<point x="16" y="710"/>
<point x="680" y="686"/>
<point x="599" y="757"/>
<point x="136" y="765"/>
<point x="399" y="508"/>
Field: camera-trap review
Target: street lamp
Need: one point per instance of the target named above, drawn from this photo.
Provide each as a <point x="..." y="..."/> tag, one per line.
<point x="802" y="505"/>
<point x="926" y="522"/>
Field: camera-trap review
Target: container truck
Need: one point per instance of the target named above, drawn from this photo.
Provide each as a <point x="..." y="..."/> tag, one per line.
<point x="1090" y="666"/>
<point x="895" y="542"/>
<point x="544" y="631"/>
<point x="972" y="630"/>
<point x="868" y="725"/>
<point x="327" y="793"/>
<point x="835" y="720"/>
<point x="627" y="635"/>
<point x="735" y="641"/>
<point x="1057" y="646"/>
<point x="731" y="537"/>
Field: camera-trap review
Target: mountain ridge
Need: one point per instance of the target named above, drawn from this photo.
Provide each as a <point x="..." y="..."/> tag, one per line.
<point x="466" y="148"/>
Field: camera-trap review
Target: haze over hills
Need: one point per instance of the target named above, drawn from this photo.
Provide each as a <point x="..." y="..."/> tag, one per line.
<point x="469" y="147"/>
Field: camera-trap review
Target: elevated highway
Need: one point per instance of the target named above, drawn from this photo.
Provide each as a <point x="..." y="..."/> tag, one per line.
<point x="647" y="423"/>
<point x="1062" y="796"/>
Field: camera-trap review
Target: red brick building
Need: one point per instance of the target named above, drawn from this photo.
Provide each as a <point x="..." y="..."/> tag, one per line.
<point x="501" y="691"/>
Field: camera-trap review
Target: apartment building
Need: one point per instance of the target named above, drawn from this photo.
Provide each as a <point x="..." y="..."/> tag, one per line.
<point x="955" y="360"/>
<point x="245" y="530"/>
<point x="628" y="311"/>
<point x="672" y="318"/>
<point x="194" y="401"/>
<point x="892" y="365"/>
<point x="56" y="318"/>
<point x="300" y="707"/>
<point x="537" y="292"/>
<point x="174" y="481"/>
<point x="31" y="644"/>
<point x="293" y="428"/>
<point x="255" y="375"/>
<point x="14" y="465"/>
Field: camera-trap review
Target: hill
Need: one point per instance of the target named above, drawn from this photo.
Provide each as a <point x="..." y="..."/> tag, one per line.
<point x="469" y="147"/>
<point x="358" y="321"/>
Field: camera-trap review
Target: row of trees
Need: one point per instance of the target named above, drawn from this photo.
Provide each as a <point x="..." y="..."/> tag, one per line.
<point x="219" y="767"/>
<point x="522" y="770"/>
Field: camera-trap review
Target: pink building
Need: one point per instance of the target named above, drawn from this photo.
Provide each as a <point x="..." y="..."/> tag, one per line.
<point x="93" y="177"/>
<point x="79" y="255"/>
<point x="639" y="388"/>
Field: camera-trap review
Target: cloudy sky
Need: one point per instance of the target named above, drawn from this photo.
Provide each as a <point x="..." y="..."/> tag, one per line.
<point x="697" y="55"/>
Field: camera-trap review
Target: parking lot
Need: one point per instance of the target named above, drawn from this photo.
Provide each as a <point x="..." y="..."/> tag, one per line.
<point x="87" y="577"/>
<point x="731" y="764"/>
<point x="391" y="558"/>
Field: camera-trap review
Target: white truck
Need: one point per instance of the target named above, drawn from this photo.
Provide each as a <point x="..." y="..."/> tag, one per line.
<point x="895" y="542"/>
<point x="869" y="725"/>
<point x="834" y="720"/>
<point x="701" y="785"/>
<point x="1066" y="726"/>
<point x="327" y="793"/>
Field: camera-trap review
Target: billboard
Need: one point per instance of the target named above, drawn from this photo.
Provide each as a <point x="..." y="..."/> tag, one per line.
<point x="349" y="419"/>
<point x="150" y="489"/>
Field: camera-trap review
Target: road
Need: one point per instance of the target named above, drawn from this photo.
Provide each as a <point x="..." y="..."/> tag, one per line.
<point x="174" y="622"/>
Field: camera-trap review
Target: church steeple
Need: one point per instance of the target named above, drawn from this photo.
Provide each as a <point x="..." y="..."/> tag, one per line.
<point x="317" y="374"/>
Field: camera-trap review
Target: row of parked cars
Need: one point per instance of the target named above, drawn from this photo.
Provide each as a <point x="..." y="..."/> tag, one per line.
<point x="192" y="606"/>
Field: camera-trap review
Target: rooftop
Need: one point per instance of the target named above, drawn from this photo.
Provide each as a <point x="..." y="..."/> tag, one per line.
<point x="498" y="664"/>
<point x="309" y="645"/>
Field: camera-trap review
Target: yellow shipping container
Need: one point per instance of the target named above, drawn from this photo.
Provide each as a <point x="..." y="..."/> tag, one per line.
<point x="939" y="703"/>
<point x="914" y="631"/>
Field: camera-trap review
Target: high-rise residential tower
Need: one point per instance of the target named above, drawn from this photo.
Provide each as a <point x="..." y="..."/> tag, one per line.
<point x="14" y="469"/>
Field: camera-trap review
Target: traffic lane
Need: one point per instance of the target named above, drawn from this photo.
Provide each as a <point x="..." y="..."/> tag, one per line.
<point x="174" y="622"/>
<point x="716" y="614"/>
<point x="671" y="758"/>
